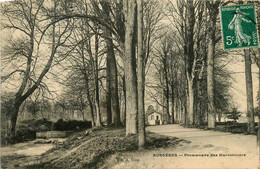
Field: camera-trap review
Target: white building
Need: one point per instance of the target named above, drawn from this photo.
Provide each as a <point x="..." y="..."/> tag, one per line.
<point x="155" y="118"/>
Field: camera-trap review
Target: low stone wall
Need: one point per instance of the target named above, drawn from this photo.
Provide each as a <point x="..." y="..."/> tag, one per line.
<point x="52" y="134"/>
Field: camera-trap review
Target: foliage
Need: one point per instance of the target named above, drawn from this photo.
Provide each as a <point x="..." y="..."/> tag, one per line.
<point x="26" y="130"/>
<point x="7" y="99"/>
<point x="33" y="107"/>
<point x="234" y="114"/>
<point x="61" y="125"/>
<point x="22" y="135"/>
<point x="257" y="111"/>
<point x="233" y="127"/>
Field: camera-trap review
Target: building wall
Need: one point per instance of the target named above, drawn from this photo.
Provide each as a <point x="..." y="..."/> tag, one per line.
<point x="153" y="117"/>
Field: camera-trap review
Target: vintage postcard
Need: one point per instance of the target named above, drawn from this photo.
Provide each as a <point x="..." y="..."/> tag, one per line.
<point x="130" y="84"/>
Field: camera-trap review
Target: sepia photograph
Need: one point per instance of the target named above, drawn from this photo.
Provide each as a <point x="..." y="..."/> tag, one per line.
<point x="130" y="84"/>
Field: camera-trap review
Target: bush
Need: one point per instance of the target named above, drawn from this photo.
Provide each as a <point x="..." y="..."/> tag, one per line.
<point x="38" y="125"/>
<point x="21" y="136"/>
<point x="27" y="129"/>
<point x="61" y="125"/>
<point x="24" y="135"/>
<point x="43" y="125"/>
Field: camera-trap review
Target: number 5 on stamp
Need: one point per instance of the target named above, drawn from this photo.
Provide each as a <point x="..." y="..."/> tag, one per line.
<point x="239" y="28"/>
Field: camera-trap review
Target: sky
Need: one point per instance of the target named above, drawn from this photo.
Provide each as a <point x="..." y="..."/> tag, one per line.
<point x="238" y="90"/>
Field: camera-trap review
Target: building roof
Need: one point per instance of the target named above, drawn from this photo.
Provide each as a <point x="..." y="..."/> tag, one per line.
<point x="153" y="113"/>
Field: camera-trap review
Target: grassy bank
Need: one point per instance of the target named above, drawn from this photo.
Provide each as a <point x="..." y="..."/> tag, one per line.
<point x="96" y="148"/>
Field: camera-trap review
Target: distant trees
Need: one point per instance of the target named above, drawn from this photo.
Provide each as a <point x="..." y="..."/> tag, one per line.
<point x="166" y="62"/>
<point x="113" y="107"/>
<point x="7" y="99"/>
<point x="195" y="68"/>
<point x="25" y="50"/>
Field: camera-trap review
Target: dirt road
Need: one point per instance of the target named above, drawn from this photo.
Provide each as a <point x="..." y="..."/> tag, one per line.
<point x="208" y="149"/>
<point x="226" y="142"/>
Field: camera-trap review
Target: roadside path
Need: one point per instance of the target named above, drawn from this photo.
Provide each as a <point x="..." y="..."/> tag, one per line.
<point x="226" y="142"/>
<point x="208" y="149"/>
<point x="23" y="154"/>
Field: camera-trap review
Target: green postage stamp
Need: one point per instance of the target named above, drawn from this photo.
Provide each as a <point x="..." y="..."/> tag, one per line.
<point x="239" y="28"/>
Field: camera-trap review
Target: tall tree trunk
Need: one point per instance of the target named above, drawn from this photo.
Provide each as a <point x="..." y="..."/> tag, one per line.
<point x="200" y="113"/>
<point x="108" y="93"/>
<point x="108" y="85"/>
<point x="189" y="117"/>
<point x="130" y="67"/>
<point x="199" y="88"/>
<point x="177" y="120"/>
<point x="167" y="102"/>
<point x="249" y="92"/>
<point x="191" y="63"/>
<point x="164" y="118"/>
<point x="81" y="108"/>
<point x="196" y="109"/>
<point x="98" y="117"/>
<point x="14" y="115"/>
<point x="167" y="92"/>
<point x="185" y="113"/>
<point x="210" y="83"/>
<point x="91" y="108"/>
<point x="140" y="76"/>
<point x="172" y="104"/>
<point x="87" y="87"/>
<point x="115" y="109"/>
<point x="124" y="106"/>
<point x="176" y="105"/>
<point x="210" y="64"/>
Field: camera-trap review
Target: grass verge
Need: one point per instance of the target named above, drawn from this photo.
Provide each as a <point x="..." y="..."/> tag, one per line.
<point x="232" y="127"/>
<point x="94" y="149"/>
